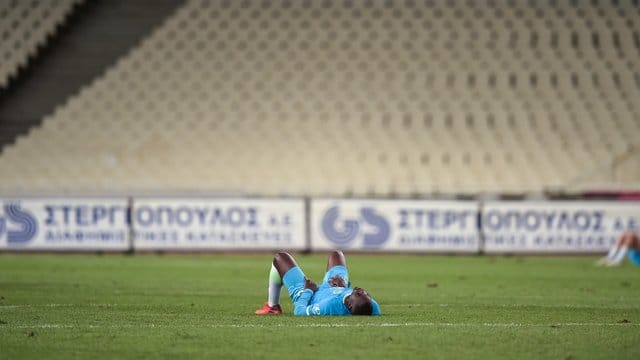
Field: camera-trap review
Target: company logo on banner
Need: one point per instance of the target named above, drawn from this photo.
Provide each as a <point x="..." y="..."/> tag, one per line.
<point x="388" y="225"/>
<point x="184" y="224"/>
<point x="579" y="226"/>
<point x="20" y="226"/>
<point x="344" y="232"/>
<point x="50" y="224"/>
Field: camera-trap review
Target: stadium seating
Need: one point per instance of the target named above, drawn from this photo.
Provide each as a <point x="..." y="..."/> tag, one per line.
<point x="25" y="25"/>
<point x="361" y="98"/>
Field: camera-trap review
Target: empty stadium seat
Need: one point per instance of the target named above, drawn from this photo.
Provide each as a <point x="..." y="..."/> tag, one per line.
<point x="356" y="98"/>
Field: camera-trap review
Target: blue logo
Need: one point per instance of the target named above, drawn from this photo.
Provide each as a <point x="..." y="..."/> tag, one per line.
<point x="373" y="228"/>
<point x="25" y="226"/>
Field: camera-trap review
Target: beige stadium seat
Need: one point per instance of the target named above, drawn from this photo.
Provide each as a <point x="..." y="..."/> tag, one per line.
<point x="369" y="98"/>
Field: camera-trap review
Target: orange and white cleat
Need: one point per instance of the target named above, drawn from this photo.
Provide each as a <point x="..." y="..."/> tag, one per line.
<point x="266" y="310"/>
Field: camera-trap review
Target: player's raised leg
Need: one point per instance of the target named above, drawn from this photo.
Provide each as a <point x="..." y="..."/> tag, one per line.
<point x="613" y="251"/>
<point x="625" y="242"/>
<point x="336" y="257"/>
<point x="281" y="263"/>
<point x="337" y="273"/>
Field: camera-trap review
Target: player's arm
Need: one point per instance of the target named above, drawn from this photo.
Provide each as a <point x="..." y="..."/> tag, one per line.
<point x="323" y="307"/>
<point x="301" y="301"/>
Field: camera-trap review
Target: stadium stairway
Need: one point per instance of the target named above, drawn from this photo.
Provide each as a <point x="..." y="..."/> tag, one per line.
<point x="69" y="54"/>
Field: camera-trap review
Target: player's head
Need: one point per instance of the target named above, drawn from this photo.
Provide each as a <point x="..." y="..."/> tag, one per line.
<point x="359" y="302"/>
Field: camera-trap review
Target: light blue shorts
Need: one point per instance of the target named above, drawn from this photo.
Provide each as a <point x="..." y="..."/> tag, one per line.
<point x="293" y="280"/>
<point x="338" y="270"/>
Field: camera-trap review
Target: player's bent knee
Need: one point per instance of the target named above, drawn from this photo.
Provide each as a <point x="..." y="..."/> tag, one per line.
<point x="337" y="253"/>
<point x="336" y="257"/>
<point x="283" y="262"/>
<point x="282" y="257"/>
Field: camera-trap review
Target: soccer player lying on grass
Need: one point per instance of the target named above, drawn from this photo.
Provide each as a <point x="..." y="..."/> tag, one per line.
<point x="628" y="242"/>
<point x="332" y="297"/>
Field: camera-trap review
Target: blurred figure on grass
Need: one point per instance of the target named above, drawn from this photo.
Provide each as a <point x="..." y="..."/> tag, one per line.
<point x="627" y="244"/>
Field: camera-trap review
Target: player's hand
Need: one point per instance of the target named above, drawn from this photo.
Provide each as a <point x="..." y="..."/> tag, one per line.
<point x="309" y="284"/>
<point x="337" y="281"/>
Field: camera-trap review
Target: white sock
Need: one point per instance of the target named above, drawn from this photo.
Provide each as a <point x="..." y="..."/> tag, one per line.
<point x="275" y="286"/>
<point x="619" y="256"/>
<point x="612" y="252"/>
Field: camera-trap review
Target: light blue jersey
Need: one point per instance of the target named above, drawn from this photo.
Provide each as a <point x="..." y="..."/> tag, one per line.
<point x="328" y="300"/>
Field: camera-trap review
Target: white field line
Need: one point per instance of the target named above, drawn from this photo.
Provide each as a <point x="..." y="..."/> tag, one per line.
<point x="68" y="305"/>
<point x="568" y="306"/>
<point x="334" y="325"/>
<point x="475" y="305"/>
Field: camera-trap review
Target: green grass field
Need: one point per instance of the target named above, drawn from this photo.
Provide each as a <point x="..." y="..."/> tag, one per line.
<point x="456" y="307"/>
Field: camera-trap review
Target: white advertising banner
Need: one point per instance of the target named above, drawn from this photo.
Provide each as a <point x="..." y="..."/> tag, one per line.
<point x="556" y="226"/>
<point x="212" y="224"/>
<point x="64" y="224"/>
<point x="395" y="225"/>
